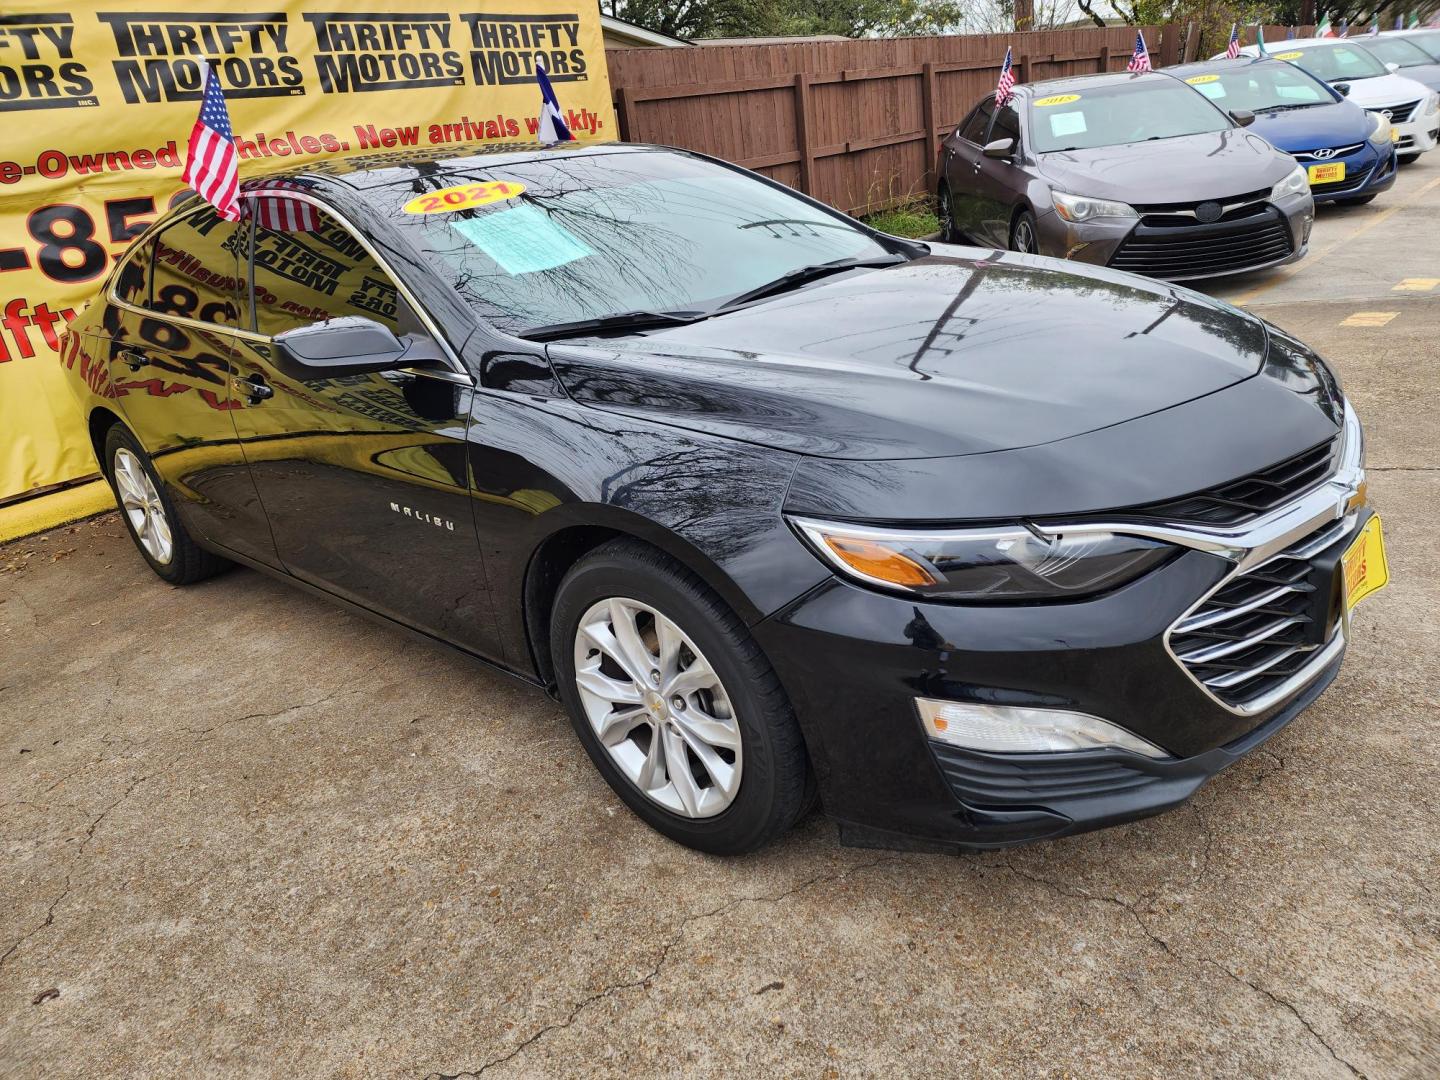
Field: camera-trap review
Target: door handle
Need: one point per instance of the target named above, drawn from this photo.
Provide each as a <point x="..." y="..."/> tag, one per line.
<point x="133" y="359"/>
<point x="255" y="388"/>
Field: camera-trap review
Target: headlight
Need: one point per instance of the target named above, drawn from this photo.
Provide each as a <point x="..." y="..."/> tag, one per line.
<point x="1379" y="128"/>
<point x="1079" y="208"/>
<point x="1011" y="563"/>
<point x="1294" y="184"/>
<point x="1432" y="103"/>
<point x="1005" y="729"/>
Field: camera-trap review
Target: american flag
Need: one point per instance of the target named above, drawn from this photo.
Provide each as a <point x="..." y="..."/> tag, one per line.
<point x="1141" y="60"/>
<point x="1005" y="88"/>
<point x="279" y="214"/>
<point x="211" y="163"/>
<point x="1232" y="51"/>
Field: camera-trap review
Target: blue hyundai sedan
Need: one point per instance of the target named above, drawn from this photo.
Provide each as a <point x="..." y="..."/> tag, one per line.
<point x="1348" y="153"/>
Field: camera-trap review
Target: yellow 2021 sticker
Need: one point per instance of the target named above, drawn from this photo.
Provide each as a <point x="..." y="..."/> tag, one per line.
<point x="1199" y="80"/>
<point x="1295" y="55"/>
<point x="1058" y="99"/>
<point x="463" y="197"/>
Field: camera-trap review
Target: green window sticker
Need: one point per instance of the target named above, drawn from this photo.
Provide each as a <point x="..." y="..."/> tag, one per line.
<point x="522" y="239"/>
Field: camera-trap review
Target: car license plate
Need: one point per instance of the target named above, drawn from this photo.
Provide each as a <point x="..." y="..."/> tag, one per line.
<point x="1327" y="173"/>
<point x="1364" y="561"/>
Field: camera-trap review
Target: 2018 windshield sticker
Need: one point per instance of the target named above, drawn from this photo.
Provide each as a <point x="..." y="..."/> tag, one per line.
<point x="463" y="197"/>
<point x="1200" y="80"/>
<point x="1056" y="99"/>
<point x="1290" y="55"/>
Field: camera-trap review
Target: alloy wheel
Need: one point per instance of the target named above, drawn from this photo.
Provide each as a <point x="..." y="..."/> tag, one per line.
<point x="658" y="707"/>
<point x="141" y="504"/>
<point x="945" y="214"/>
<point x="1024" y="237"/>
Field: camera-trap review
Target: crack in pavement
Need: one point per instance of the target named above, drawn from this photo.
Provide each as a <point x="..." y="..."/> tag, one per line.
<point x="1080" y="894"/>
<point x="79" y="851"/>
<point x="645" y="980"/>
<point x="95" y="823"/>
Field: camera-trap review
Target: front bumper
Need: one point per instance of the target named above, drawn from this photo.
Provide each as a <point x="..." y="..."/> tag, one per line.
<point x="1367" y="172"/>
<point x="1196" y="251"/>
<point x="854" y="661"/>
<point x="1417" y="135"/>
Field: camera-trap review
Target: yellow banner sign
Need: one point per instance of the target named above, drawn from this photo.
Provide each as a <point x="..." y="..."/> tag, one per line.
<point x="97" y="98"/>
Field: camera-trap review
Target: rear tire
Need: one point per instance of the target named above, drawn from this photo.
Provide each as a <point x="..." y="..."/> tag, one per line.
<point x="675" y="703"/>
<point x="150" y="516"/>
<point x="1023" y="237"/>
<point x="945" y="211"/>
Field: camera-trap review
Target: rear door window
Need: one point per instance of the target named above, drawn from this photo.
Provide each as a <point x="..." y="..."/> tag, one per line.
<point x="195" y="270"/>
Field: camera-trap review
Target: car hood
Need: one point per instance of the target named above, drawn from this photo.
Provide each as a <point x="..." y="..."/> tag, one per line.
<point x="1385" y="90"/>
<point x="1340" y="123"/>
<point x="960" y="352"/>
<point x="1211" y="165"/>
<point x="1427" y="75"/>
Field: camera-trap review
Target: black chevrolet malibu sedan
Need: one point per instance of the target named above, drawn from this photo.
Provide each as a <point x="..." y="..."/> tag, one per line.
<point x="975" y="547"/>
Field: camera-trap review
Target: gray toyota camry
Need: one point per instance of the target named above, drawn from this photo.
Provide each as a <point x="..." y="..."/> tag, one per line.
<point x="1134" y="171"/>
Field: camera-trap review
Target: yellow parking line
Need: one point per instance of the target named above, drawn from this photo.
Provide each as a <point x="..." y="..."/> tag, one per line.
<point x="1369" y="318"/>
<point x="1288" y="272"/>
<point x="1416" y="284"/>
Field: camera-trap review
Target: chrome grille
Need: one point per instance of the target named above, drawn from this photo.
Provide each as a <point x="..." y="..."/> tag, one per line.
<point x="1257" y="631"/>
<point x="1398" y="113"/>
<point x="1246" y="239"/>
<point x="1250" y="496"/>
<point x="1330" y="155"/>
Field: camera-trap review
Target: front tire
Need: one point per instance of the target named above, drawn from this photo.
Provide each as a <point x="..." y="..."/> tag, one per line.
<point x="150" y="516"/>
<point x="1359" y="200"/>
<point x="1023" y="237"/>
<point x="675" y="703"/>
<point x="1408" y="159"/>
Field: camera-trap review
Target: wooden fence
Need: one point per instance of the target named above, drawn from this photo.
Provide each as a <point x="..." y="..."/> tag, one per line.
<point x="853" y="123"/>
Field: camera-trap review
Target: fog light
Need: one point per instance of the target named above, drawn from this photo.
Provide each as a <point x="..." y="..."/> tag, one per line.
<point x="1006" y="729"/>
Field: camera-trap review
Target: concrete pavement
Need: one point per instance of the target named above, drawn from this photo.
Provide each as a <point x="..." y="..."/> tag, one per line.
<point x="245" y="833"/>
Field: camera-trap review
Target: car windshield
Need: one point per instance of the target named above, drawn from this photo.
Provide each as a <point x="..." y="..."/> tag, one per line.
<point x="563" y="239"/>
<point x="1429" y="42"/>
<point x="1335" y="63"/>
<point x="1397" y="51"/>
<point x="1120" y="112"/>
<point x="1258" y="87"/>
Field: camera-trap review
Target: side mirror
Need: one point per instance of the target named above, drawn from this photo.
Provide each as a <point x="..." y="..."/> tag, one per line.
<point x="1243" y="117"/>
<point x="1392" y="68"/>
<point x="1000" y="149"/>
<point x="1342" y="88"/>
<point x="351" y="345"/>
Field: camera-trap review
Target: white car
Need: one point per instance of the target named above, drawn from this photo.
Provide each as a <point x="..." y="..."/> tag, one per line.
<point x="1412" y="108"/>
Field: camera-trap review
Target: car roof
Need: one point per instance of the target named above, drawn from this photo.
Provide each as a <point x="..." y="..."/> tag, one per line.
<point x="1218" y="64"/>
<point x="395" y="166"/>
<point x="1084" y="82"/>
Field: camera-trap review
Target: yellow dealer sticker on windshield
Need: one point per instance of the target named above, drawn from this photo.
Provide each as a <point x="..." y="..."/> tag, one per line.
<point x="1198" y="80"/>
<point x="1290" y="55"/>
<point x="463" y="197"/>
<point x="1058" y="99"/>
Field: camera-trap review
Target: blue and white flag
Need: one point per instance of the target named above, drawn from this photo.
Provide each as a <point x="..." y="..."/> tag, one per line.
<point x="552" y="121"/>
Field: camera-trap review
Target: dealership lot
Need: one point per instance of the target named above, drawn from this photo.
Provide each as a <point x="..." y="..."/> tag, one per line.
<point x="246" y="832"/>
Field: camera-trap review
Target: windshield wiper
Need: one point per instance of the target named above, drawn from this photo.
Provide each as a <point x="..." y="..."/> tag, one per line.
<point x="621" y="320"/>
<point x="801" y="275"/>
<point x="1284" y="107"/>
